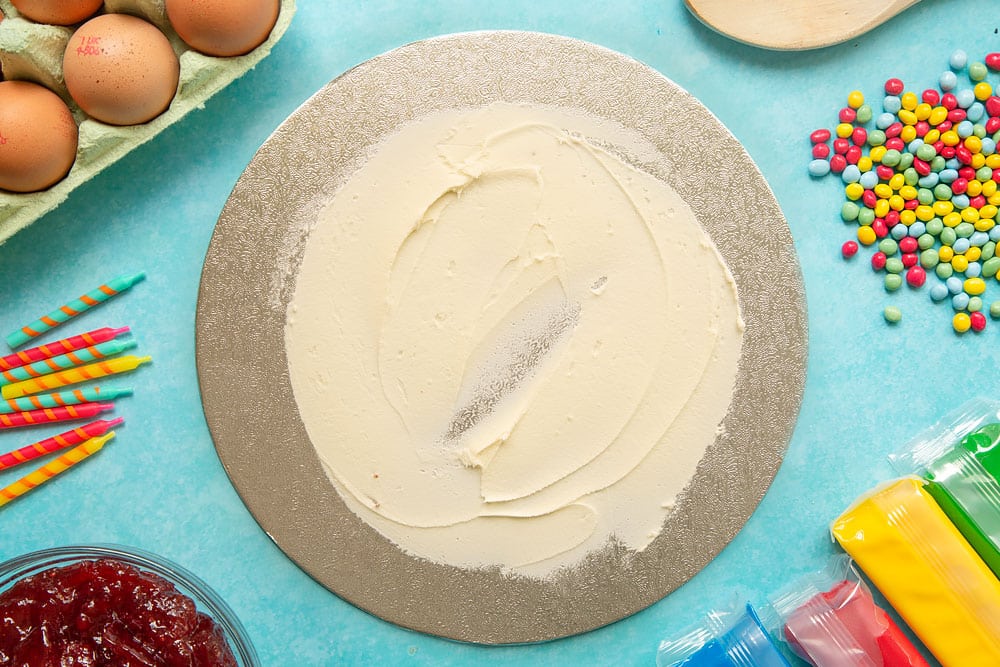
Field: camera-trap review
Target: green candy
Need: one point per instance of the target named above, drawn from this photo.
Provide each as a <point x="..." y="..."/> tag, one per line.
<point x="979" y="131"/>
<point x="934" y="225"/>
<point x="977" y="71"/>
<point x="964" y="229"/>
<point x="849" y="211"/>
<point x="864" y="114"/>
<point x="893" y="281"/>
<point x="948" y="236"/>
<point x="876" y="138"/>
<point x="892" y="314"/>
<point x="906" y="160"/>
<point x="910" y="175"/>
<point x="943" y="192"/>
<point x="991" y="267"/>
<point x="925" y="241"/>
<point x="926" y="152"/>
<point x="929" y="258"/>
<point x="989" y="250"/>
<point x="888" y="246"/>
<point x="995" y="310"/>
<point x="938" y="163"/>
<point x="944" y="270"/>
<point x="975" y="304"/>
<point x="925" y="196"/>
<point x="894" y="265"/>
<point x="892" y="157"/>
<point x="984" y="173"/>
<point x="866" y="216"/>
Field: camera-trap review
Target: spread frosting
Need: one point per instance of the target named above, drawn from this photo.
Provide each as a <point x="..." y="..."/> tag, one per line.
<point x="508" y="345"/>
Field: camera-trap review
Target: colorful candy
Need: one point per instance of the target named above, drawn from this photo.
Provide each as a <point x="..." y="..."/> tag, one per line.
<point x="57" y="442"/>
<point x="52" y="415"/>
<point x="53" y="468"/>
<point x="59" y="347"/>
<point x="62" y="398"/>
<point x="922" y="183"/>
<point x="72" y="376"/>
<point x="79" y="305"/>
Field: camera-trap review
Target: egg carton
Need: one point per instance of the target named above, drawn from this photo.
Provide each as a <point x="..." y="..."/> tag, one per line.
<point x="33" y="51"/>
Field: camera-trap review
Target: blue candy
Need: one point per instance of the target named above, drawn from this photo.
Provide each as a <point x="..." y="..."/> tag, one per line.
<point x="916" y="229"/>
<point x="960" y="246"/>
<point x="819" y="167"/>
<point x="965" y="98"/>
<point x="974" y="270"/>
<point x="958" y="60"/>
<point x="948" y="81"/>
<point x="852" y="174"/>
<point x="868" y="180"/>
<point x="939" y="292"/>
<point x="929" y="181"/>
<point x="884" y="121"/>
<point x="898" y="231"/>
<point x="948" y="175"/>
<point x="960" y="301"/>
<point x="975" y="111"/>
<point x="979" y="239"/>
<point x="892" y="104"/>
<point x="954" y="284"/>
<point x="995" y="234"/>
<point x="964" y="129"/>
<point x="960" y="201"/>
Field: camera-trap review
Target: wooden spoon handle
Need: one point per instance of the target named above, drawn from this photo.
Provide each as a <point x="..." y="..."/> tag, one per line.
<point x="792" y="25"/>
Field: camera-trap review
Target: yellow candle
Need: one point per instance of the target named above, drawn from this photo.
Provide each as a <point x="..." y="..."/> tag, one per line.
<point x="53" y="468"/>
<point x="72" y="376"/>
<point x="927" y="571"/>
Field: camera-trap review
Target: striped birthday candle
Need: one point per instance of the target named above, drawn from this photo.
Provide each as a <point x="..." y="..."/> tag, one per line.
<point x="72" y="309"/>
<point x="72" y="376"/>
<point x="52" y="415"/>
<point x="69" y="360"/>
<point x="62" y="398"/>
<point x="52" y="468"/>
<point x="33" y="354"/>
<point x="57" y="442"/>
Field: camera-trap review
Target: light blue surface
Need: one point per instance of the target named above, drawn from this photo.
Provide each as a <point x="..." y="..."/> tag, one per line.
<point x="160" y="486"/>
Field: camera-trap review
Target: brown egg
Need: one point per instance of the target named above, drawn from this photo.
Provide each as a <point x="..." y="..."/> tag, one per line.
<point x="38" y="137"/>
<point x="58" y="12"/>
<point x="120" y="69"/>
<point x="223" y="27"/>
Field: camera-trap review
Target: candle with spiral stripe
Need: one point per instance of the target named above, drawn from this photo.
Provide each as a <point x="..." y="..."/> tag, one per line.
<point x="63" y="398"/>
<point x="51" y="415"/>
<point x="72" y="309"/>
<point x="68" y="360"/>
<point x="33" y="354"/>
<point x="57" y="442"/>
<point x="52" y="468"/>
<point x="72" y="376"/>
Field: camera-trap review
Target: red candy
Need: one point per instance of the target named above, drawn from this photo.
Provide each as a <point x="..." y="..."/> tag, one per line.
<point x="847" y="115"/>
<point x="893" y="86"/>
<point x="907" y="244"/>
<point x="944" y="125"/>
<point x="949" y="101"/>
<point x="922" y="167"/>
<point x="838" y="163"/>
<point x="968" y="173"/>
<point x="978" y="201"/>
<point x="911" y="204"/>
<point x="853" y="154"/>
<point x="820" y="136"/>
<point x="909" y="259"/>
<point x="895" y="144"/>
<point x="959" y="186"/>
<point x="993" y="61"/>
<point x="916" y="276"/>
<point x="821" y="151"/>
<point x="840" y="145"/>
<point x="878" y="260"/>
<point x="922" y="127"/>
<point x="859" y="136"/>
<point x="938" y="146"/>
<point x="892" y="218"/>
<point x="893" y="130"/>
<point x="993" y="105"/>
<point x="849" y="249"/>
<point x="931" y="97"/>
<point x="869" y="198"/>
<point x="956" y="115"/>
<point x="977" y="320"/>
<point x="992" y="125"/>
<point x="996" y="175"/>
<point x="963" y="154"/>
<point x="883" y="172"/>
<point x="105" y="612"/>
<point x="948" y="152"/>
<point x="878" y="226"/>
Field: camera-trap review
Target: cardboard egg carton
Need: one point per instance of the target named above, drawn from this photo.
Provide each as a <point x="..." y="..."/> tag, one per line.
<point x="34" y="52"/>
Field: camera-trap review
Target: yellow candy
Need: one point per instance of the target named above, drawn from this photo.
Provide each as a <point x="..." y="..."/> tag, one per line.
<point x="896" y="181"/>
<point x="974" y="188"/>
<point x="924" y="213"/>
<point x="865" y="164"/>
<point x="922" y="111"/>
<point x="844" y="130"/>
<point x="973" y="143"/>
<point x="908" y="117"/>
<point x="942" y="208"/>
<point x="908" y="192"/>
<point x="988" y="211"/>
<point x="950" y="138"/>
<point x="883" y="191"/>
<point x="974" y="286"/>
<point x="985" y="224"/>
<point x="982" y="91"/>
<point x="989" y="187"/>
<point x="994" y="198"/>
<point x="961" y="323"/>
<point x="907" y="217"/>
<point x="959" y="263"/>
<point x="881" y="208"/>
<point x="993" y="161"/>
<point x="932" y="136"/>
<point x="909" y="101"/>
<point x="970" y="214"/>
<point x="973" y="254"/>
<point x="945" y="253"/>
<point x="855" y="99"/>
<point x="866" y="235"/>
<point x="854" y="191"/>
<point x="896" y="203"/>
<point x="952" y="219"/>
<point x="938" y="115"/>
<point x="877" y="153"/>
<point x="914" y="556"/>
<point x="908" y="133"/>
<point x="978" y="160"/>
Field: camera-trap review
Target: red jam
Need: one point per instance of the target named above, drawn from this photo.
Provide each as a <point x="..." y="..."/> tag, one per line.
<point x="104" y="612"/>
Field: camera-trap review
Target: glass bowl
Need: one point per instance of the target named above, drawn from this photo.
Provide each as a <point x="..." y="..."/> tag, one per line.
<point x="206" y="600"/>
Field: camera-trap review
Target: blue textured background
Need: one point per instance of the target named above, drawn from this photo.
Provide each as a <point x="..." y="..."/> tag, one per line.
<point x="160" y="485"/>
